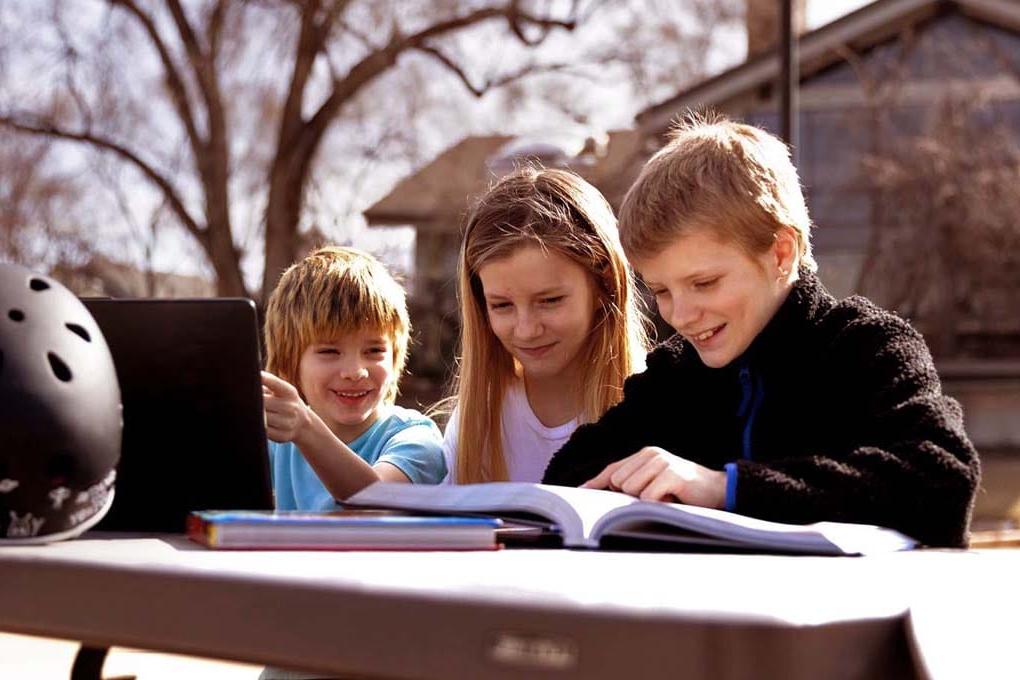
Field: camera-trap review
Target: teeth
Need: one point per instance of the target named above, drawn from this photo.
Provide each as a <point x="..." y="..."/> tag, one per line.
<point x="353" y="395"/>
<point x="701" y="337"/>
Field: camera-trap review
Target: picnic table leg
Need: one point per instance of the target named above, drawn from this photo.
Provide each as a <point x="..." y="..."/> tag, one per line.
<point x="88" y="664"/>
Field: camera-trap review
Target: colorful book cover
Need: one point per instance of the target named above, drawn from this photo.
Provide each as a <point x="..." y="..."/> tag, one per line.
<point x="340" y="530"/>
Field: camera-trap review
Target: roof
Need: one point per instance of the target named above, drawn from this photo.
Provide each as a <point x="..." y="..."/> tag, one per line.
<point x="818" y="49"/>
<point x="439" y="191"/>
<point x="626" y="154"/>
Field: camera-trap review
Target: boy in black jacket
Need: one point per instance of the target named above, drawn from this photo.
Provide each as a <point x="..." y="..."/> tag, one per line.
<point x="774" y="399"/>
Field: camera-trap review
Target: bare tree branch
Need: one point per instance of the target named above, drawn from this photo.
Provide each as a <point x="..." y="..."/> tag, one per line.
<point x="70" y="61"/>
<point x="491" y="84"/>
<point x="201" y="64"/>
<point x="309" y="44"/>
<point x="214" y="28"/>
<point x="213" y="163"/>
<point x="161" y="182"/>
<point x="378" y="61"/>
<point x="365" y="40"/>
<point x="174" y="80"/>
<point x="518" y="19"/>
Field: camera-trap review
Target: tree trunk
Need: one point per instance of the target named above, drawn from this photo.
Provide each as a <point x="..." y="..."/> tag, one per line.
<point x="225" y="260"/>
<point x="283" y="212"/>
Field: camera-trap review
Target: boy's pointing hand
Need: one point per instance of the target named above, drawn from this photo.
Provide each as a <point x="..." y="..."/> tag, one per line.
<point x="285" y="413"/>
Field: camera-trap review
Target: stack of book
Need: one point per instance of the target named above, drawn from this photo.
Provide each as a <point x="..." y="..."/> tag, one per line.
<point x="341" y="530"/>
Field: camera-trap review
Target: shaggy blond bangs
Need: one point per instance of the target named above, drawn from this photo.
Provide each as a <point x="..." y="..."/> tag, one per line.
<point x="332" y="292"/>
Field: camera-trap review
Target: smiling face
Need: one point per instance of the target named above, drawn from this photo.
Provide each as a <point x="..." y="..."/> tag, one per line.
<point x="345" y="380"/>
<point x="541" y="307"/>
<point x="715" y="294"/>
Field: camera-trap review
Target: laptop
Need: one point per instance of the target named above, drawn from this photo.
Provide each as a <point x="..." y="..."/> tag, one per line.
<point x="194" y="435"/>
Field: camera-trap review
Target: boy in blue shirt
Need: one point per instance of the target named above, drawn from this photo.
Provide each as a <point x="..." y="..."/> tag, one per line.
<point x="336" y="337"/>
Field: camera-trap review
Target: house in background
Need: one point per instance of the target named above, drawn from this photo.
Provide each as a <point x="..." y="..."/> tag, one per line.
<point x="867" y="81"/>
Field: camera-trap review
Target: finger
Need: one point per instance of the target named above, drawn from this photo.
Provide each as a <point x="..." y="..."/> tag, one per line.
<point x="277" y="385"/>
<point x="282" y="403"/>
<point x="278" y="436"/>
<point x="631" y="465"/>
<point x="666" y="487"/>
<point x="275" y="421"/>
<point x="601" y="480"/>
<point x="277" y="428"/>
<point x="286" y="421"/>
<point x="274" y="404"/>
<point x="640" y="478"/>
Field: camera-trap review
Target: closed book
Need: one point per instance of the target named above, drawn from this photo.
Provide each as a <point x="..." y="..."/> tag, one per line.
<point x="593" y="518"/>
<point x="340" y="530"/>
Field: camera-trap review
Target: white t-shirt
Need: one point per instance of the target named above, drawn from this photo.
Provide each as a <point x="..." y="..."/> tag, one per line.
<point x="528" y="445"/>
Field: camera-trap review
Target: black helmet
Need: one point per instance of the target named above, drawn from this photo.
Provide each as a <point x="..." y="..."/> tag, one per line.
<point x="60" y="412"/>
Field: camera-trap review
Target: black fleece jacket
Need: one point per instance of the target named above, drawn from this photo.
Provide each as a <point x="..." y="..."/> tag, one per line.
<point x="850" y="422"/>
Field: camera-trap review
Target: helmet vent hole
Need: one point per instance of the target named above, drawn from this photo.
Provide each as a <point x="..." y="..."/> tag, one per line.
<point x="38" y="284"/>
<point x="60" y="369"/>
<point x="79" y="331"/>
<point x="16" y="315"/>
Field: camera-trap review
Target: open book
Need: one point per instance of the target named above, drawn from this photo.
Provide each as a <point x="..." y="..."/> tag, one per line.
<point x="585" y="517"/>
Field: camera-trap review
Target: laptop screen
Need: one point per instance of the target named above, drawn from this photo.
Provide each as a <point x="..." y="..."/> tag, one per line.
<point x="194" y="435"/>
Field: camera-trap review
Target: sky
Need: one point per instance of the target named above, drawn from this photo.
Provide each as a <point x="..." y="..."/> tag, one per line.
<point x="820" y="12"/>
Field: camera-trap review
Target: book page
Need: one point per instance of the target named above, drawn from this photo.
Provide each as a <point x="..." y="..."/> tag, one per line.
<point x="590" y="506"/>
<point x="490" y="498"/>
<point x="824" y="538"/>
<point x="574" y="511"/>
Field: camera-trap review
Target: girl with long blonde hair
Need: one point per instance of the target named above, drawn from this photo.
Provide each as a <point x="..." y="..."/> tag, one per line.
<point x="551" y="324"/>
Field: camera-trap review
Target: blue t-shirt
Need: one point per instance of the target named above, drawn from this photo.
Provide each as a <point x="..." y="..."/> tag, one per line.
<point x="404" y="438"/>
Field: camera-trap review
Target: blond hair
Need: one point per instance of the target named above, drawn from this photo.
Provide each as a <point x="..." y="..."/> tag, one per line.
<point x="558" y="211"/>
<point x="732" y="179"/>
<point x="332" y="292"/>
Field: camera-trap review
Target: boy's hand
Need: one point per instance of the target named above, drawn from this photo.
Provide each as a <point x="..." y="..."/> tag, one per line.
<point x="286" y="414"/>
<point x="654" y="474"/>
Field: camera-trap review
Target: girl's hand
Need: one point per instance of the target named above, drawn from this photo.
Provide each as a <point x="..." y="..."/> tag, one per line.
<point x="654" y="474"/>
<point x="286" y="414"/>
